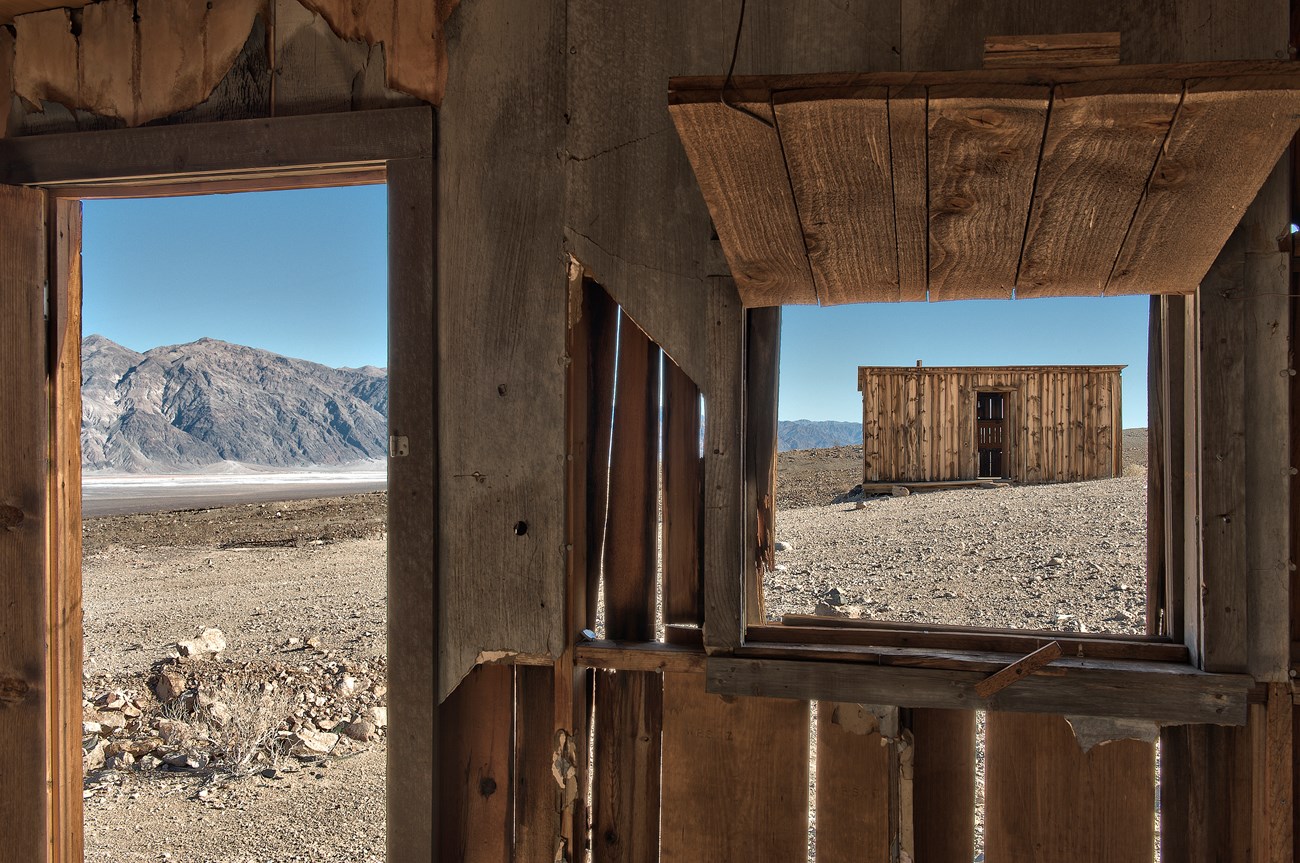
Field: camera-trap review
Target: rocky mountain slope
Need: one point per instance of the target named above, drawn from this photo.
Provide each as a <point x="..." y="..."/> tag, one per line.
<point x="816" y="434"/>
<point x="181" y="407"/>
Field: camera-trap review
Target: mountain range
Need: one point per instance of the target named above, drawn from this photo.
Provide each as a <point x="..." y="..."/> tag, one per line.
<point x="182" y="407"/>
<point x="816" y="434"/>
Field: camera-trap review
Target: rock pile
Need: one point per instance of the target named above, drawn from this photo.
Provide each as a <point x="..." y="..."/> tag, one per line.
<point x="200" y="711"/>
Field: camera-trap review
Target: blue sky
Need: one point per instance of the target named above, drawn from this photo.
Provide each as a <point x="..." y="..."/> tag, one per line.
<point x="304" y="274"/>
<point x="301" y="273"/>
<point x="821" y="348"/>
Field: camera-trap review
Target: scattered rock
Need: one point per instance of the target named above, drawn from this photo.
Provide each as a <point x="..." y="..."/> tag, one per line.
<point x="832" y="597"/>
<point x="93" y="758"/>
<point x="359" y="730"/>
<point x="782" y="545"/>
<point x="900" y="491"/>
<point x="210" y="643"/>
<point x="170" y="685"/>
<point x="312" y="744"/>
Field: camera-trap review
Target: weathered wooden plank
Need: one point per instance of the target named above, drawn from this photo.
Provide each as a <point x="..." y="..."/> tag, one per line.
<point x="1163" y="696"/>
<point x="6" y="78"/>
<point x="1099" y="151"/>
<point x="1267" y="348"/>
<point x="537" y="817"/>
<point x="762" y="374"/>
<point x="837" y="155"/>
<point x="908" y="140"/>
<point x="214" y="149"/>
<point x="601" y="314"/>
<point x="107" y="45"/>
<point x="64" y="668"/>
<point x="412" y="520"/>
<point x="983" y="151"/>
<point x="714" y="750"/>
<point x="45" y="63"/>
<point x="1057" y="49"/>
<point x="1272" y="766"/>
<point x="1205" y="794"/>
<point x="640" y="656"/>
<point x="501" y="280"/>
<point x="1157" y="471"/>
<point x="626" y="795"/>
<point x="724" y="519"/>
<point x="683" y="491"/>
<point x="631" y="558"/>
<point x="315" y="69"/>
<point x="1173" y="368"/>
<point x="24" y="591"/>
<point x="943" y="783"/>
<point x="739" y="166"/>
<point x="1047" y="800"/>
<point x="1194" y="170"/>
<point x="1192" y="565"/>
<point x="856" y="771"/>
<point x="1222" y="509"/>
<point x="475" y="762"/>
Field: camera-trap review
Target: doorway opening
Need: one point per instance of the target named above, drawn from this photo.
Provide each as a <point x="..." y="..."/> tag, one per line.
<point x="991" y="434"/>
<point x="234" y="442"/>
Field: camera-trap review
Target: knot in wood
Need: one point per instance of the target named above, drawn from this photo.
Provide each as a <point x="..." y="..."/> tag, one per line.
<point x="10" y="517"/>
<point x="13" y="690"/>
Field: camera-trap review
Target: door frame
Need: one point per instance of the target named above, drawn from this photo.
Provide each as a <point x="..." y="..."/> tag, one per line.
<point x="395" y="146"/>
<point x="1004" y="462"/>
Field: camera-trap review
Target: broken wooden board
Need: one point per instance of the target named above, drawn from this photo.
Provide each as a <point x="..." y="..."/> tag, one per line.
<point x="735" y="776"/>
<point x="856" y="767"/>
<point x="1046" y="800"/>
<point x="1039" y="181"/>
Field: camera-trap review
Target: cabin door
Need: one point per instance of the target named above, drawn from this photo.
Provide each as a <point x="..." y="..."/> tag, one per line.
<point x="991" y="433"/>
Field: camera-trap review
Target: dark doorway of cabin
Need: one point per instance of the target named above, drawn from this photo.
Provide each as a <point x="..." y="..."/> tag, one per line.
<point x="991" y="433"/>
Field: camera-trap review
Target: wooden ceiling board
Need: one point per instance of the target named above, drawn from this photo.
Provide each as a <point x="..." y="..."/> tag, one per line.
<point x="1224" y="142"/>
<point x="838" y="155"/>
<point x="1100" y="149"/>
<point x="11" y="9"/>
<point x="984" y="143"/>
<point x="741" y="171"/>
<point x="908" y="142"/>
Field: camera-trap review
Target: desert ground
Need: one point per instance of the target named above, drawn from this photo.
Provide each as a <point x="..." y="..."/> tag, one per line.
<point x="271" y="749"/>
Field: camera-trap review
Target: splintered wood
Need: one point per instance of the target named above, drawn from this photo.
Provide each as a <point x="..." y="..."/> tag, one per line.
<point x="1008" y="181"/>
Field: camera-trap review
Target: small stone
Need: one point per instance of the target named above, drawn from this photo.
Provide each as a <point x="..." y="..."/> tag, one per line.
<point x="314" y="641"/>
<point x="312" y="744"/>
<point x="862" y="504"/>
<point x="149" y="762"/>
<point x="293" y="641"/>
<point x="900" y="491"/>
<point x="346" y="685"/>
<point x="782" y="545"/>
<point x="90" y="729"/>
<point x="111" y="721"/>
<point x="114" y="700"/>
<point x="219" y="713"/>
<point x="174" y="732"/>
<point x="210" y="643"/>
<point x="824" y="609"/>
<point x="376" y="715"/>
<point x="270" y="773"/>
<point x="170" y="685"/>
<point x="360" y="730"/>
<point x="1056" y="560"/>
<point x="832" y="597"/>
<point x="120" y="761"/>
<point x="93" y="758"/>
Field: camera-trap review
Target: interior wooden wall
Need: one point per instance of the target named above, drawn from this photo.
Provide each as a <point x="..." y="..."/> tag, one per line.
<point x="553" y="138"/>
<point x="1063" y="423"/>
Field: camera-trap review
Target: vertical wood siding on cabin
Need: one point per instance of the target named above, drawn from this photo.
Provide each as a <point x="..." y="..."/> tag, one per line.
<point x="918" y="425"/>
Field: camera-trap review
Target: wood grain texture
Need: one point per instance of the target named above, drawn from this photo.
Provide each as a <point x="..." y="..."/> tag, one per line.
<point x="1267" y="345"/>
<point x="1047" y="800"/>
<point x="1195" y="170"/>
<point x="1271" y="775"/>
<point x="1099" y="151"/>
<point x="1174" y="370"/>
<point x="856" y="769"/>
<point x="1222" y="462"/>
<point x="412" y="31"/>
<point x="413" y="515"/>
<point x="1159" y="618"/>
<point x="24" y="591"/>
<point x="1135" y="691"/>
<point x="943" y="784"/>
<point x="133" y="62"/>
<point x="724" y="512"/>
<point x="6" y="78"/>
<point x="837" y="154"/>
<point x="601" y="315"/>
<point x="740" y="168"/>
<point x="501" y="283"/>
<point x="983" y="152"/>
<point x="626" y="784"/>
<point x="762" y="375"/>
<point x="63" y="671"/>
<point x="1061" y="49"/>
<point x="475" y="763"/>
<point x="908" y="143"/>
<point x="631" y="558"/>
<point x="1205" y="794"/>
<point x="735" y="776"/>
<point x="683" y="492"/>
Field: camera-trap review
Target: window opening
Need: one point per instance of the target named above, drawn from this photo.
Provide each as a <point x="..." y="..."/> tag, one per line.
<point x="234" y="444"/>
<point x="967" y="499"/>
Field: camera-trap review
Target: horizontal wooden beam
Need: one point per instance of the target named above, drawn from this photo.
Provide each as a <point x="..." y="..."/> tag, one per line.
<point x="262" y="181"/>
<point x="1267" y="74"/>
<point x="639" y="656"/>
<point x="809" y="629"/>
<point x="1153" y="691"/>
<point x="215" y="150"/>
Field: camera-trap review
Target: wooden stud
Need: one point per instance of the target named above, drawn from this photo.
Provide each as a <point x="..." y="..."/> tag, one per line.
<point x="943" y="783"/>
<point x="1271" y="786"/>
<point x="413" y="617"/>
<point x="762" y="362"/>
<point x="683" y="491"/>
<point x="1205" y="794"/>
<point x="1173" y="369"/>
<point x="1048" y="801"/>
<point x="25" y="740"/>
<point x="1157" y="471"/>
<point x="626" y="793"/>
<point x="714" y="747"/>
<point x="856" y="773"/>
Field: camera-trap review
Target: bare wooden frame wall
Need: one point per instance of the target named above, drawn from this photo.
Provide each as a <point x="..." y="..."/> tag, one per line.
<point x="395" y="146"/>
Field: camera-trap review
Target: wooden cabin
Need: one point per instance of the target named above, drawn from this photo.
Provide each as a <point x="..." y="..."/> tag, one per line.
<point x="596" y="202"/>
<point x="1028" y="424"/>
